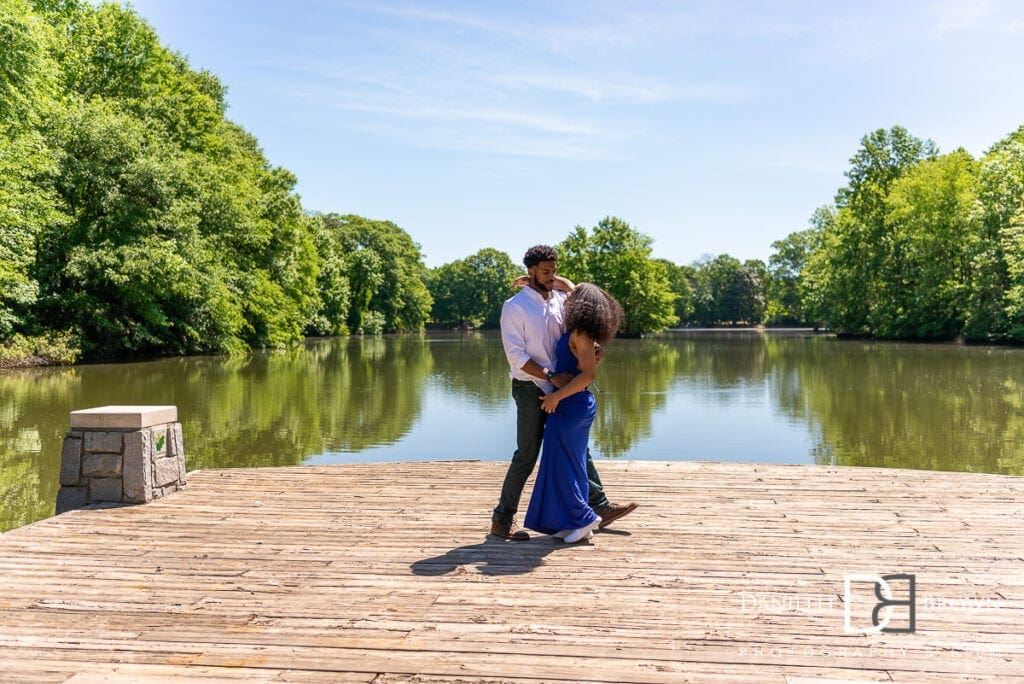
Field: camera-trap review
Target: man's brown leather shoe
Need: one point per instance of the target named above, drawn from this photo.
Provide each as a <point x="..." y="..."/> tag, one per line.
<point x="510" y="531"/>
<point x="613" y="512"/>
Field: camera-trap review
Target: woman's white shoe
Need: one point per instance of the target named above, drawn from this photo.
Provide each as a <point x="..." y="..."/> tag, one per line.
<point x="562" y="534"/>
<point x="583" y="532"/>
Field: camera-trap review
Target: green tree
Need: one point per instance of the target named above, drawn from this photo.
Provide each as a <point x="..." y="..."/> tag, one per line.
<point x="333" y="285"/>
<point x="108" y="271"/>
<point x="854" y="244"/>
<point x="469" y="292"/>
<point x="386" y="274"/>
<point x="996" y="306"/>
<point x="179" y="235"/>
<point x="728" y="291"/>
<point x="680" y="280"/>
<point x="27" y="159"/>
<point x="366" y="277"/>
<point x="574" y="255"/>
<point x="816" y="282"/>
<point x="145" y="267"/>
<point x="618" y="258"/>
<point x="785" y="283"/>
<point x="105" y="51"/>
<point x="933" y="238"/>
<point x="753" y="301"/>
<point x="27" y="73"/>
<point x="704" y="311"/>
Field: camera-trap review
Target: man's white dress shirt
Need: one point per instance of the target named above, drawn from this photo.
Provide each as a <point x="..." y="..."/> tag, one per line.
<point x="530" y="328"/>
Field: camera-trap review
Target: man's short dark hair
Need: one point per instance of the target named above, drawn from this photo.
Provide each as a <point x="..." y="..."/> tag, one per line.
<point x="539" y="253"/>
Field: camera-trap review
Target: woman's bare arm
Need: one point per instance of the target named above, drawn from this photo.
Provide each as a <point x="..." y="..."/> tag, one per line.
<point x="583" y="348"/>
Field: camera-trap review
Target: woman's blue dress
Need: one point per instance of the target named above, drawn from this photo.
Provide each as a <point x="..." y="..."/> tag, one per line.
<point x="559" y="500"/>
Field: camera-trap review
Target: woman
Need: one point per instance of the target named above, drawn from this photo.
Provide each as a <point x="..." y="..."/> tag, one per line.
<point x="559" y="502"/>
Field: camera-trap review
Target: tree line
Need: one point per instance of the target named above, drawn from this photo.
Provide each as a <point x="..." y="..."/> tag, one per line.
<point x="917" y="245"/>
<point x="138" y="219"/>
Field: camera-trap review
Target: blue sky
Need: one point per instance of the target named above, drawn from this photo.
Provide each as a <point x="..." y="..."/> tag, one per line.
<point x="713" y="127"/>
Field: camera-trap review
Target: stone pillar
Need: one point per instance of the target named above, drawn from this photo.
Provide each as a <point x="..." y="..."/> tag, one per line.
<point x="122" y="454"/>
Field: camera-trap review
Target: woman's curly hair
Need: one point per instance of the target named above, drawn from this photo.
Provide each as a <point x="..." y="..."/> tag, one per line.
<point x="591" y="310"/>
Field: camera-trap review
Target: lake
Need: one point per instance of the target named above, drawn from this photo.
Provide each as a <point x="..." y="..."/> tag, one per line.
<point x="699" y="395"/>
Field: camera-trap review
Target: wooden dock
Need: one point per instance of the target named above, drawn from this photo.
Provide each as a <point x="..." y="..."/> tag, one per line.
<point x="382" y="572"/>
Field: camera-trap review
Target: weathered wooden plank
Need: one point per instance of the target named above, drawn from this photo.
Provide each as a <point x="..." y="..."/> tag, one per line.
<point x="382" y="572"/>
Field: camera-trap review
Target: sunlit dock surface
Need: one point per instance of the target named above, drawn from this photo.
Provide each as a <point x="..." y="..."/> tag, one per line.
<point x="382" y="572"/>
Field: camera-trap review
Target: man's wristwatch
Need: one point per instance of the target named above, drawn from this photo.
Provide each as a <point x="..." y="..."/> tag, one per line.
<point x="549" y="373"/>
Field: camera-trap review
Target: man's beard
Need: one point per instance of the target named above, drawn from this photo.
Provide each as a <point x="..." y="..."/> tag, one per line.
<point x="539" y="285"/>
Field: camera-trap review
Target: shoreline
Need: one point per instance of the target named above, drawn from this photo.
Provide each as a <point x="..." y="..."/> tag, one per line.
<point x="11" y="362"/>
<point x="28" y="362"/>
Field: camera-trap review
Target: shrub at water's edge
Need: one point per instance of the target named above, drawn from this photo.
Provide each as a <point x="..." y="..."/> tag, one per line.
<point x="51" y="350"/>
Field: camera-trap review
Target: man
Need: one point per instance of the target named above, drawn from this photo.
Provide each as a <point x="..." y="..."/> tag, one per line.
<point x="531" y="323"/>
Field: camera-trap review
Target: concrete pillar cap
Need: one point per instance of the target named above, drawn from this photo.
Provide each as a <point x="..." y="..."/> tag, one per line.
<point x="123" y="417"/>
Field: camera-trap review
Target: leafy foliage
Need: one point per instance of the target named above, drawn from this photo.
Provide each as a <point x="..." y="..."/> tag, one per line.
<point x="926" y="268"/>
<point x="680" y="281"/>
<point x="784" y="295"/>
<point x="618" y="258"/>
<point x="858" y="240"/>
<point x="27" y="160"/>
<point x="997" y="287"/>
<point x="137" y="219"/>
<point x="386" y="277"/>
<point x="469" y="292"/>
<point x="728" y="291"/>
<point x="920" y="245"/>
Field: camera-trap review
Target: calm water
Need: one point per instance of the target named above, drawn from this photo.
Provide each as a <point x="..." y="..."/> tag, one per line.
<point x="778" y="398"/>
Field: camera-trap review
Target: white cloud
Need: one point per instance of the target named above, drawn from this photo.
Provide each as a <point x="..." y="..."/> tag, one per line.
<point x="989" y="16"/>
<point x="588" y="87"/>
<point x="638" y="91"/>
<point x="959" y="15"/>
<point x="426" y="124"/>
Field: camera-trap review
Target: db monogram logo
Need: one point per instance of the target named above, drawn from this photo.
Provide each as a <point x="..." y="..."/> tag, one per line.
<point x="884" y="597"/>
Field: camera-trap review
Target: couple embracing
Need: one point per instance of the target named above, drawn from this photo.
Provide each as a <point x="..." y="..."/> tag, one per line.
<point x="553" y="332"/>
